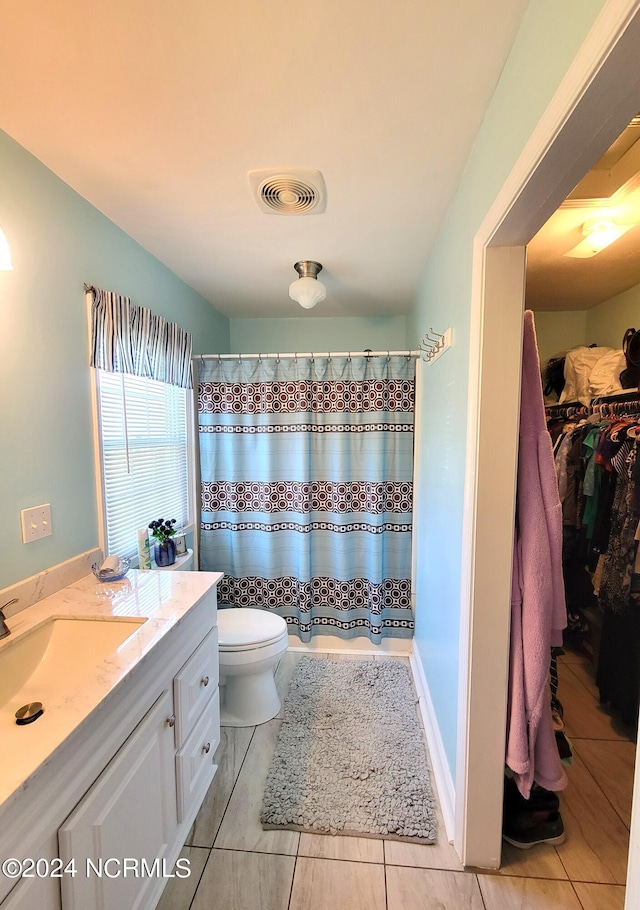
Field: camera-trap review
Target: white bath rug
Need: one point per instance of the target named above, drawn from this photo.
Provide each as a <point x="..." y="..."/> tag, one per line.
<point x="350" y="757"/>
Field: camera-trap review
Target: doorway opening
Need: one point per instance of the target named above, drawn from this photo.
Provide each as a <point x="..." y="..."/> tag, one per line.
<point x="584" y="296"/>
<point x="598" y="98"/>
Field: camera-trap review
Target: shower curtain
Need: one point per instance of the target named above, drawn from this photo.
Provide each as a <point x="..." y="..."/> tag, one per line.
<point x="306" y="486"/>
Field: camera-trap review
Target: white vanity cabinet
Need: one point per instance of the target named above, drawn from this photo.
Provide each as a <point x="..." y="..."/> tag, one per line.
<point x="128" y="784"/>
<point x="138" y="808"/>
<point x="128" y="814"/>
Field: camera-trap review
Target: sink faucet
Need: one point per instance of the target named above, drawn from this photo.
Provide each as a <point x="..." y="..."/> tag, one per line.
<point x="4" y="628"/>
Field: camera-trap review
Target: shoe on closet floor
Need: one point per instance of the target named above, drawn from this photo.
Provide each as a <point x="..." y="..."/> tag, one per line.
<point x="531" y="828"/>
<point x="540" y="800"/>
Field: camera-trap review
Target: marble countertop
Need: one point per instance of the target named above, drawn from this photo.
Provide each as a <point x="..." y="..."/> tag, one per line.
<point x="160" y="599"/>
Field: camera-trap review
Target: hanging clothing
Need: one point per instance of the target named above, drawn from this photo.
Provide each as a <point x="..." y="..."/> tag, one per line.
<point x="538" y="611"/>
<point x="601" y="557"/>
<point x="618" y="675"/>
<point x="307" y="489"/>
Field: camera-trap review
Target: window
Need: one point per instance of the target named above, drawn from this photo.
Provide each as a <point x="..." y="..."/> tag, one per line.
<point x="144" y="431"/>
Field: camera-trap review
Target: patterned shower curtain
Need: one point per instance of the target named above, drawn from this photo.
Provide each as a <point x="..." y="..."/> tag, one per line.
<point x="307" y="469"/>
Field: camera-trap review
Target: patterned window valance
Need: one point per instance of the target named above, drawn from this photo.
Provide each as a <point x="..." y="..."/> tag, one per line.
<point x="132" y="339"/>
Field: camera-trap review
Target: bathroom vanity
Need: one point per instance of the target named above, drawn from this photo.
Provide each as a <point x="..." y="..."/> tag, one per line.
<point x="101" y="790"/>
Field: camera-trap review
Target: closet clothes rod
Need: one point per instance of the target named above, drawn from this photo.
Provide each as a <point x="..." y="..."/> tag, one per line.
<point x="567" y="409"/>
<point x="306" y="354"/>
<point x="625" y="404"/>
<point x="633" y="395"/>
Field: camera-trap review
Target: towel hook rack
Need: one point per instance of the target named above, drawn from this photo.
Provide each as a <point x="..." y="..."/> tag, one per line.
<point x="434" y="344"/>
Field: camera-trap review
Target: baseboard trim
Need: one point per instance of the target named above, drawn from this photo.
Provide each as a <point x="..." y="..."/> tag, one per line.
<point x="331" y="644"/>
<point x="442" y="774"/>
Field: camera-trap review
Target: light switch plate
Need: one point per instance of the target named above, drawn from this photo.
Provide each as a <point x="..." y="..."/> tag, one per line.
<point x="36" y="523"/>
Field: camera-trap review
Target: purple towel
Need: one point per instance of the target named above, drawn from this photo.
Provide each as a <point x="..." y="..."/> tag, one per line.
<point x="538" y="610"/>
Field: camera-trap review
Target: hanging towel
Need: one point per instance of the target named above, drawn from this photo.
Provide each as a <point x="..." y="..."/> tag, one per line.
<point x="538" y="611"/>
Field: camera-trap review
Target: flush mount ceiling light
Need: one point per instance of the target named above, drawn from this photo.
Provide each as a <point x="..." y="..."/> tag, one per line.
<point x="5" y="254"/>
<point x="599" y="233"/>
<point x="307" y="290"/>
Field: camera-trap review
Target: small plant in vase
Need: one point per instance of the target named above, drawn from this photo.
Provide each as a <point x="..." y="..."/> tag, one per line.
<point x="164" y="546"/>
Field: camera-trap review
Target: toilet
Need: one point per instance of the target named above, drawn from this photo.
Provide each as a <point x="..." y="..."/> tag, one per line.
<point x="250" y="644"/>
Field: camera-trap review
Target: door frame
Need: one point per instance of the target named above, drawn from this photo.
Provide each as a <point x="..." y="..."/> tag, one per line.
<point x="597" y="98"/>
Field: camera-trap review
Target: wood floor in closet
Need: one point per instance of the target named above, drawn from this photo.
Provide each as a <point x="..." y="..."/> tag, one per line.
<point x="596" y="806"/>
<point x="238" y="866"/>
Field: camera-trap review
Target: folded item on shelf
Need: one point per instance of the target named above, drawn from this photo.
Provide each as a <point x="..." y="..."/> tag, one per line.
<point x="591" y="371"/>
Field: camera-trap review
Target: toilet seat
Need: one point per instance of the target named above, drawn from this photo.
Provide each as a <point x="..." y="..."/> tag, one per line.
<point x="244" y="629"/>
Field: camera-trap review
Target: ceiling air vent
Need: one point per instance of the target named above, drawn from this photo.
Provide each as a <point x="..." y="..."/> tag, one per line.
<point x="294" y="191"/>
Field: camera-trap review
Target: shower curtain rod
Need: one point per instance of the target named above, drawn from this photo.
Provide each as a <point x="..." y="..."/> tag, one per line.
<point x="307" y="354"/>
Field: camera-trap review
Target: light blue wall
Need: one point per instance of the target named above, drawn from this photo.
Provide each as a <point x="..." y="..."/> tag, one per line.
<point x="58" y="241"/>
<point x="550" y="36"/>
<point x="315" y="333"/>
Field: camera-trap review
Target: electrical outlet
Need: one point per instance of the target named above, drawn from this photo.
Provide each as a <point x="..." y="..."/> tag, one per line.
<point x="36" y="523"/>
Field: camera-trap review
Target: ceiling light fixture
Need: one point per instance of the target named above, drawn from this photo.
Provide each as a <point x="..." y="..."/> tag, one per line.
<point x="5" y="254"/>
<point x="599" y="233"/>
<point x="307" y="290"/>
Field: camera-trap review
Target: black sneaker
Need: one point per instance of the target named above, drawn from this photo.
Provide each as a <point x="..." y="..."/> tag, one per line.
<point x="531" y="828"/>
<point x="539" y="800"/>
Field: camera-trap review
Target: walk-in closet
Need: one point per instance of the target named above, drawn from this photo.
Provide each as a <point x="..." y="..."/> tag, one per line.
<point x="584" y="290"/>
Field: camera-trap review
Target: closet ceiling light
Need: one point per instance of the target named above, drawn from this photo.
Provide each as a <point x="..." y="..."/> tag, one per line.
<point x="5" y="254"/>
<point x="307" y="290"/>
<point x="599" y="233"/>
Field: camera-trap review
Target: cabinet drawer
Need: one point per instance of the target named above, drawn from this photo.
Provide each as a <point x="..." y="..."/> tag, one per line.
<point x="194" y="685"/>
<point x="194" y="762"/>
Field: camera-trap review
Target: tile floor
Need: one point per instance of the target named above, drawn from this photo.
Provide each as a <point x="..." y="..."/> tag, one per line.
<point x="238" y="866"/>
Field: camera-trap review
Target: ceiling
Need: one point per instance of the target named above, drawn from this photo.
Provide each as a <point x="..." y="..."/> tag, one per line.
<point x="155" y="111"/>
<point x="611" y="189"/>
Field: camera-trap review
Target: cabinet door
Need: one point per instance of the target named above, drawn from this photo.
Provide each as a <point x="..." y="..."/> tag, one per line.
<point x="33" y="892"/>
<point x="128" y="814"/>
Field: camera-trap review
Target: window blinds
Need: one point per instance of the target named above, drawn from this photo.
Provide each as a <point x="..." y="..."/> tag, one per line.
<point x="144" y="453"/>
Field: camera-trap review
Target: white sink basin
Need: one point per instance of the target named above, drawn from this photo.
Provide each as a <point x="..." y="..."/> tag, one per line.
<point x="50" y="661"/>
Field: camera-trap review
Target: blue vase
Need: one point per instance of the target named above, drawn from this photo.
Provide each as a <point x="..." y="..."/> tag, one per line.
<point x="164" y="553"/>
